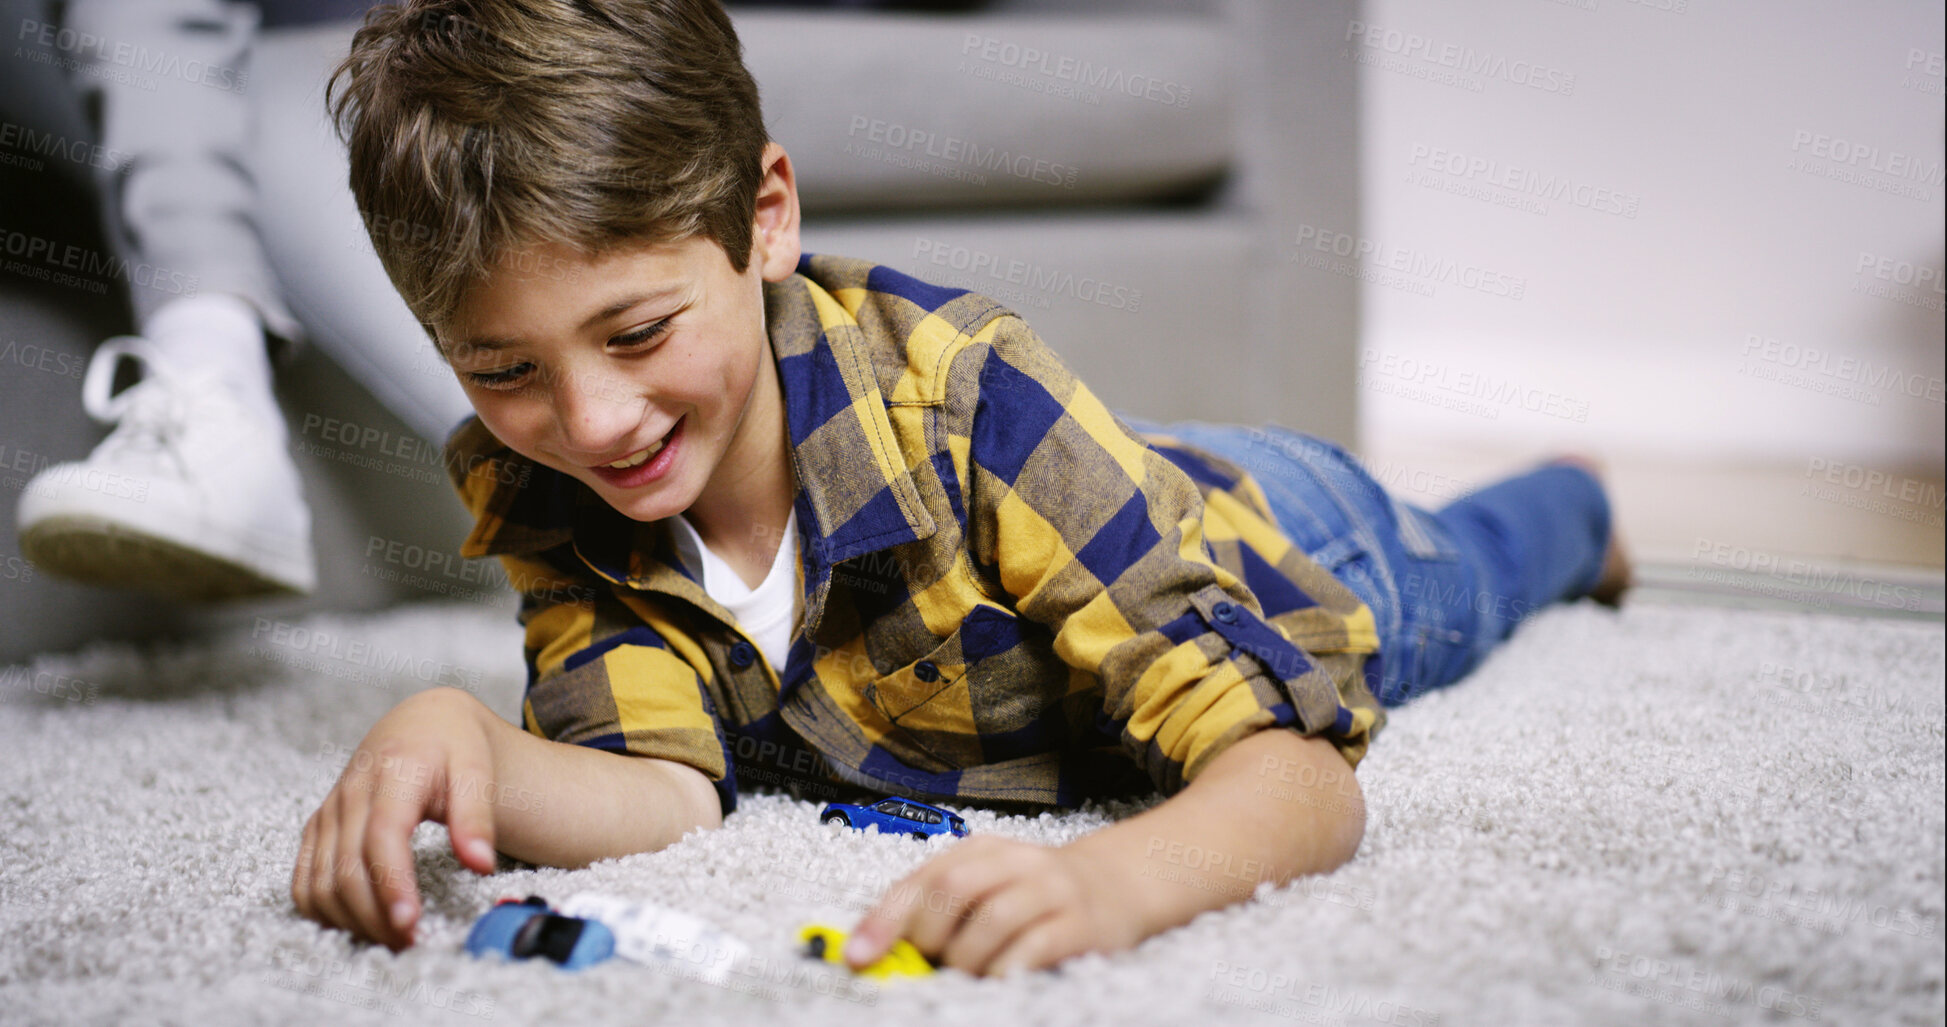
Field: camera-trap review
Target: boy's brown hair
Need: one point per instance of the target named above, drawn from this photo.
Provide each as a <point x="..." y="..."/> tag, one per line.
<point x="481" y="127"/>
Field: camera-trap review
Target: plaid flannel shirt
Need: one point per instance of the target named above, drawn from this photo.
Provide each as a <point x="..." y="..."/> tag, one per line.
<point x="1009" y="596"/>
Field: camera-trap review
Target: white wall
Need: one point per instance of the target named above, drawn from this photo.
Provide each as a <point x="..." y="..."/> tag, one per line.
<point x="1697" y="292"/>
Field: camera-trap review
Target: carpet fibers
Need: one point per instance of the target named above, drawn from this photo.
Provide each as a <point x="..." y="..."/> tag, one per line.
<point x="1669" y="814"/>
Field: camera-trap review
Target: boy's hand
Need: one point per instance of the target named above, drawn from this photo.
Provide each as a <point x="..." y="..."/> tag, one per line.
<point x="991" y="905"/>
<point x="428" y="759"/>
<point x="994" y="905"/>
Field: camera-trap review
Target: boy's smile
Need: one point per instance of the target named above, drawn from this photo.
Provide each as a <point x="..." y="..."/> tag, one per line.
<point x="644" y="372"/>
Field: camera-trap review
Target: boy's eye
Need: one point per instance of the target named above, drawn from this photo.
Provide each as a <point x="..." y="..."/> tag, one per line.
<point x="641" y="335"/>
<point x="500" y="377"/>
<point x="515" y="374"/>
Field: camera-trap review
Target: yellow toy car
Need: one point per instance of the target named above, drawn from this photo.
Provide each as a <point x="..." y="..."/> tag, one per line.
<point x="828" y="944"/>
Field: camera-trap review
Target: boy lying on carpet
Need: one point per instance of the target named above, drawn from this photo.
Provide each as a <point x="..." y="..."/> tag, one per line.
<point x="805" y="521"/>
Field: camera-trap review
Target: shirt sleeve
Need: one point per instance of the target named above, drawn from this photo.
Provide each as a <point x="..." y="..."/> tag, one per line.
<point x="1100" y="538"/>
<point x="603" y="673"/>
<point x="604" y="669"/>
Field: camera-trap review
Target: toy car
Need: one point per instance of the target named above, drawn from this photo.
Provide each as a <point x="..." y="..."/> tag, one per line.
<point x="525" y="928"/>
<point x="828" y="944"/>
<point x="895" y="816"/>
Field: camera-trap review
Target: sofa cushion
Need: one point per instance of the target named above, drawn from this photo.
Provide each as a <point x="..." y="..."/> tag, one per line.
<point x="884" y="111"/>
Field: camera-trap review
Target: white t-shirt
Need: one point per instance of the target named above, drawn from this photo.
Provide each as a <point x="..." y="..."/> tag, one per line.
<point x="767" y="613"/>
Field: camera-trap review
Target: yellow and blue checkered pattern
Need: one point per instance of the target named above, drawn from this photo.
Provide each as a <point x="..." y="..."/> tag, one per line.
<point x="1009" y="596"/>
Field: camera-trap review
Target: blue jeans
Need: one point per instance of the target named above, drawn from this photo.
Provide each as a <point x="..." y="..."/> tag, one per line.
<point x="1445" y="587"/>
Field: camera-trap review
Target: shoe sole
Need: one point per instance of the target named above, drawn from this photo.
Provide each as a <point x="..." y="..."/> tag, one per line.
<point x="102" y="552"/>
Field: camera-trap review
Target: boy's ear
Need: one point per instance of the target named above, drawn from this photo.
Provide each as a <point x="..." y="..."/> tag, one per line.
<point x="774" y="243"/>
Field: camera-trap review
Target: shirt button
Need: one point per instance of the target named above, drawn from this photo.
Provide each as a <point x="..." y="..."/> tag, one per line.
<point x="742" y="655"/>
<point x="1224" y="612"/>
<point x="926" y="671"/>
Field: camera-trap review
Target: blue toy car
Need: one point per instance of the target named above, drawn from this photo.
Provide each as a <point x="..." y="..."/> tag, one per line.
<point x="523" y="929"/>
<point x="895" y="816"/>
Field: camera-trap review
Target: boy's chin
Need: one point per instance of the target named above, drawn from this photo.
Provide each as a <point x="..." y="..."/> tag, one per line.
<point x="635" y="506"/>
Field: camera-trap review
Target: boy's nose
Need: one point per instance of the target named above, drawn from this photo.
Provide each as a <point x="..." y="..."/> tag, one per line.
<point x="596" y="413"/>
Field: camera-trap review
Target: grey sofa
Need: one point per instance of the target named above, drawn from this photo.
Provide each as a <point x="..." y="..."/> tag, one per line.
<point x="1127" y="176"/>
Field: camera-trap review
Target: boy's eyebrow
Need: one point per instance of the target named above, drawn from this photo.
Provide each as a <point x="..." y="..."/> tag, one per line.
<point x="491" y="343"/>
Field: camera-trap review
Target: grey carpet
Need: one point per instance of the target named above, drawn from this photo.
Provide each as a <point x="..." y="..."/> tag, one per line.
<point x="1668" y="815"/>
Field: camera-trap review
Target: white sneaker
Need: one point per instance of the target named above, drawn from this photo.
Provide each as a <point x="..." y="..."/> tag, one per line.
<point x="191" y="495"/>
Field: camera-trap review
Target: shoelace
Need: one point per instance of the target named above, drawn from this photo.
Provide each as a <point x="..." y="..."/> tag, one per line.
<point x="148" y="421"/>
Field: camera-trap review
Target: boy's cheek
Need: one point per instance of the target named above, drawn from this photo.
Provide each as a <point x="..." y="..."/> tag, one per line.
<point x="518" y="428"/>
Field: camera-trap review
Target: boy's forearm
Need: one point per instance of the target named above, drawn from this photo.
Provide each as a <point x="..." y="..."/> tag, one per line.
<point x="1273" y="806"/>
<point x="568" y="805"/>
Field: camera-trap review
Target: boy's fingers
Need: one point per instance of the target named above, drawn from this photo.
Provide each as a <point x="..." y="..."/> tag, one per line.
<point x="469" y="816"/>
<point x="1003" y="916"/>
<point x="354" y="875"/>
<point x="1044" y="943"/>
<point x="875" y="933"/>
<point x="307" y="853"/>
<point x="388" y="849"/>
<point x="929" y="905"/>
<point x="326" y="908"/>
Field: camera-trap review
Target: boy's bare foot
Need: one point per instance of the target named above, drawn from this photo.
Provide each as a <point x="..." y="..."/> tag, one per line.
<point x="1617" y="574"/>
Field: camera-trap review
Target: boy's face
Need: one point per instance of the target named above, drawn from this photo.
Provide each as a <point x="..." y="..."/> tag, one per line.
<point x="642" y="372"/>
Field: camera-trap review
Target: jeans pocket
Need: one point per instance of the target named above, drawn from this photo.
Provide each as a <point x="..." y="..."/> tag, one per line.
<point x="1355" y="566"/>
